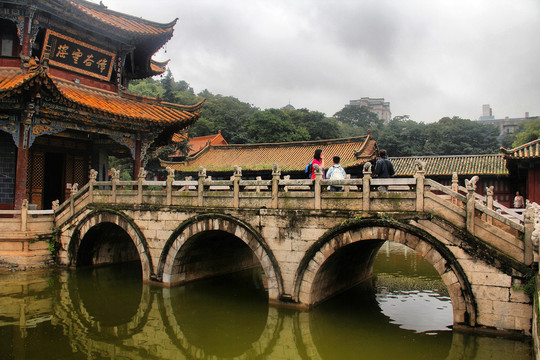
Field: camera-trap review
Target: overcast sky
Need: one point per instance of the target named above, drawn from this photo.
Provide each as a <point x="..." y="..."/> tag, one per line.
<point x="428" y="58"/>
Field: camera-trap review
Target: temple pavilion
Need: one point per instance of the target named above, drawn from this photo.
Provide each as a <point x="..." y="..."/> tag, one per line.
<point x="64" y="69"/>
<point x="291" y="157"/>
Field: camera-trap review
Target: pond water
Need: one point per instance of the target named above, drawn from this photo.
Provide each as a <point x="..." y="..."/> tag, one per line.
<point x="403" y="312"/>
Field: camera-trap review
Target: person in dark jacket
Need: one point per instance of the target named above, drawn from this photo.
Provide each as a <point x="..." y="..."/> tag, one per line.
<point x="383" y="166"/>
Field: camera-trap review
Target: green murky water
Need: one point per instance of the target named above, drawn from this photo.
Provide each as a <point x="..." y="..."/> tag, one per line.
<point x="107" y="313"/>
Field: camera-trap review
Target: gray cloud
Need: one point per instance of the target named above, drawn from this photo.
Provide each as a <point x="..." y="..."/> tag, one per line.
<point x="430" y="59"/>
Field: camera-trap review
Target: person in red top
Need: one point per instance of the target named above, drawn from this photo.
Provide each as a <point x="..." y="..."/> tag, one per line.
<point x="318" y="159"/>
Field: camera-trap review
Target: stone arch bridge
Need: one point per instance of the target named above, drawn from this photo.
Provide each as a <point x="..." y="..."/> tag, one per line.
<point x="309" y="243"/>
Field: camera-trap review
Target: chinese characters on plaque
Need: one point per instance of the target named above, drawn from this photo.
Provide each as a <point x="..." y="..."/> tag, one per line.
<point x="77" y="56"/>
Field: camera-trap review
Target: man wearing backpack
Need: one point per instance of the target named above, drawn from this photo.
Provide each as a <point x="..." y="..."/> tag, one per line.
<point x="336" y="172"/>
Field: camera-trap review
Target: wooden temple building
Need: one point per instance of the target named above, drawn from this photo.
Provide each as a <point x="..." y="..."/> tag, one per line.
<point x="292" y="157"/>
<point x="195" y="144"/>
<point x="523" y="162"/>
<point x="64" y="68"/>
<point x="490" y="168"/>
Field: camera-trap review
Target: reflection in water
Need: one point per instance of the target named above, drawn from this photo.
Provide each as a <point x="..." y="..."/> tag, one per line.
<point x="223" y="315"/>
<point x="410" y="291"/>
<point x="352" y="326"/>
<point x="102" y="285"/>
<point x="109" y="313"/>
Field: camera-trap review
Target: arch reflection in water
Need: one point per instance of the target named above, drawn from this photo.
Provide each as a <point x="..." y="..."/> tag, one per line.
<point x="410" y="291"/>
<point x="223" y="317"/>
<point x="110" y="300"/>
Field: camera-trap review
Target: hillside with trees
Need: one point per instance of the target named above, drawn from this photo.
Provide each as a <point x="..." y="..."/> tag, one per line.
<point x="243" y="123"/>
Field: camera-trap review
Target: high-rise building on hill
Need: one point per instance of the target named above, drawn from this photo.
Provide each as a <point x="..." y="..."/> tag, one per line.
<point x="375" y="105"/>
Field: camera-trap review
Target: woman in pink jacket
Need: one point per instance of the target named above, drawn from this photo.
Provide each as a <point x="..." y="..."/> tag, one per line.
<point x="318" y="159"/>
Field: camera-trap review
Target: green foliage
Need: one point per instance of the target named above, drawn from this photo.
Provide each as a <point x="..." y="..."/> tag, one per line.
<point x="530" y="132"/>
<point x="403" y="137"/>
<point x="456" y="136"/>
<point x="316" y="123"/>
<point x="273" y="125"/>
<point x="224" y="113"/>
<point x="147" y="87"/>
<point x="360" y="117"/>
<point x="125" y="165"/>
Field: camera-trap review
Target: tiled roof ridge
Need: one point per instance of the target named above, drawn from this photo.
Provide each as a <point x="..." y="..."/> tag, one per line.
<point x="83" y="6"/>
<point x="30" y="76"/>
<point x="476" y="164"/>
<point x="506" y="151"/>
<point x="296" y="143"/>
<point x="528" y="150"/>
<point x="440" y="156"/>
<point x="204" y="137"/>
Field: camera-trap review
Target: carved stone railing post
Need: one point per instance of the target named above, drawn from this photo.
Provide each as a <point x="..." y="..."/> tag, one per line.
<point x="258" y="188"/>
<point x="528" y="222"/>
<point x="24" y="214"/>
<point x="366" y="186"/>
<point x="420" y="177"/>
<point x="276" y="173"/>
<point x="470" y="210"/>
<point x="489" y="203"/>
<point x="74" y="191"/>
<point x="200" y="186"/>
<point x="115" y="178"/>
<point x="140" y="179"/>
<point x="237" y="176"/>
<point x="170" y="180"/>
<point x="347" y="187"/>
<point x="55" y="205"/>
<point x="317" y="186"/>
<point x="455" y="186"/>
<point x="93" y="176"/>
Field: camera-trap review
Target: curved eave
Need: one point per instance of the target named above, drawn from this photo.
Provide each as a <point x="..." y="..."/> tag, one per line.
<point x="126" y="109"/>
<point x="120" y="21"/>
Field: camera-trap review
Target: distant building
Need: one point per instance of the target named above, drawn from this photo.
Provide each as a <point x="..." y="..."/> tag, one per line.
<point x="288" y="107"/>
<point x="375" y="105"/>
<point x="506" y="125"/>
<point x="487" y="113"/>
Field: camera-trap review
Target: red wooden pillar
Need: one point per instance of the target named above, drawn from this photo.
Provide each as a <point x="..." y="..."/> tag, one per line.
<point x="533" y="185"/>
<point x="138" y="161"/>
<point x="26" y="36"/>
<point x="21" y="172"/>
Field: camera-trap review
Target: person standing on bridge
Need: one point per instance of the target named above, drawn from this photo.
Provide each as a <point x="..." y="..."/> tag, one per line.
<point x="336" y="172"/>
<point x="383" y="167"/>
<point x="318" y="159"/>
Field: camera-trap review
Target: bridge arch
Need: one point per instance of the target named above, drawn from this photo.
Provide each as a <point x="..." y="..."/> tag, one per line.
<point x="316" y="275"/>
<point x="170" y="259"/>
<point x="99" y="217"/>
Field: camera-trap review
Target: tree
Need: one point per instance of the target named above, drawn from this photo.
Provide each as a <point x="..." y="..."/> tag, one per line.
<point x="456" y="136"/>
<point x="147" y="87"/>
<point x="403" y="137"/>
<point x="530" y="132"/>
<point x="225" y="113"/>
<point x="360" y="117"/>
<point x="273" y="125"/>
<point x="168" y="85"/>
<point x="316" y="123"/>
